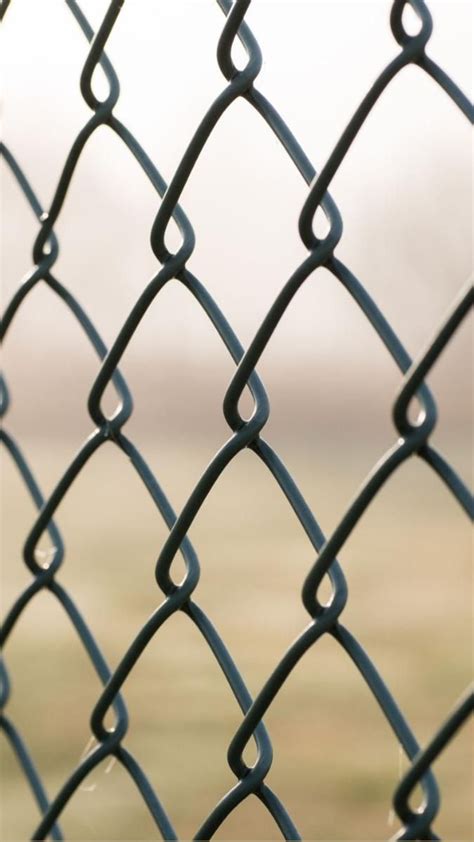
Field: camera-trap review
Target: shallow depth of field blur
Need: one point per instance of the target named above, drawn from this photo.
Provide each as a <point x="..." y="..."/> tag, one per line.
<point x="404" y="193"/>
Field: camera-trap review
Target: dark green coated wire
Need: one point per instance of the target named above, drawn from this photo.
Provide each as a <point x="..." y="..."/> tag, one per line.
<point x="412" y="438"/>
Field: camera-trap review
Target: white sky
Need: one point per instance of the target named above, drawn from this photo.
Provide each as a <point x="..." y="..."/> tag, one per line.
<point x="404" y="189"/>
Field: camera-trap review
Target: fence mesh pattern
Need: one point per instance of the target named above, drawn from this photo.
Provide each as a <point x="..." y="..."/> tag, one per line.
<point x="411" y="437"/>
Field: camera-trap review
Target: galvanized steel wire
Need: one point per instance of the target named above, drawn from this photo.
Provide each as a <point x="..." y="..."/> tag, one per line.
<point x="411" y="438"/>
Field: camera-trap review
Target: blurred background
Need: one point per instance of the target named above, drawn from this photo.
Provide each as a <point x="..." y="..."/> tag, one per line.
<point x="404" y="191"/>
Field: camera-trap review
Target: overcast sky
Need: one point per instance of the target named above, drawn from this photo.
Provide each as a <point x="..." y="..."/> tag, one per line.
<point x="404" y="189"/>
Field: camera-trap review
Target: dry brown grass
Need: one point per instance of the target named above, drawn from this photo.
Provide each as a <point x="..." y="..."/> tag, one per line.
<point x="336" y="761"/>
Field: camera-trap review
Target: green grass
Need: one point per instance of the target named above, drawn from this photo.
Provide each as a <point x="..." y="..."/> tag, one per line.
<point x="336" y="762"/>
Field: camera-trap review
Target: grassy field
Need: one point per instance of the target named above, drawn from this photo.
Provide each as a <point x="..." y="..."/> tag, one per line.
<point x="336" y="762"/>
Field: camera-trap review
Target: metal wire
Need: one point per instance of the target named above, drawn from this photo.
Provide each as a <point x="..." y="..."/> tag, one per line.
<point x="411" y="438"/>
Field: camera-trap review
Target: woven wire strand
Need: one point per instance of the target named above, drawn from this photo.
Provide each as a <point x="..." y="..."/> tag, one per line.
<point x="411" y="438"/>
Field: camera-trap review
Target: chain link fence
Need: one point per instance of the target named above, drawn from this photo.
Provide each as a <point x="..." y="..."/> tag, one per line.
<point x="411" y="438"/>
